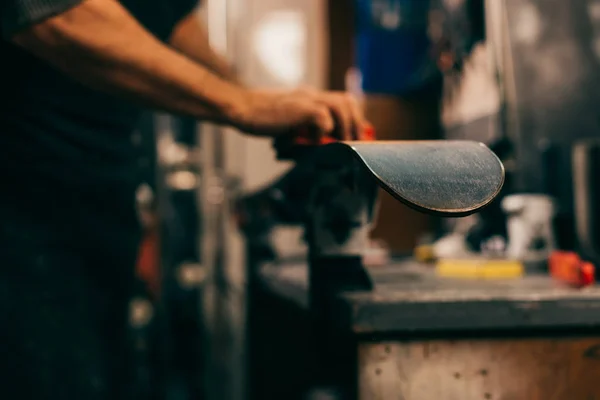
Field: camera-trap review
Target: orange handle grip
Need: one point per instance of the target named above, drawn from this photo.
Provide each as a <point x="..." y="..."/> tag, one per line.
<point x="305" y="139"/>
<point x="569" y="268"/>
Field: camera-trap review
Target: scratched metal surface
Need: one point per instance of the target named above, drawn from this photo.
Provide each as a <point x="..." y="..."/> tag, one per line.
<point x="443" y="177"/>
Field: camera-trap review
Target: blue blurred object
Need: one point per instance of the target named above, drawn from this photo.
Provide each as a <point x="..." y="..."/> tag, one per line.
<point x="392" y="45"/>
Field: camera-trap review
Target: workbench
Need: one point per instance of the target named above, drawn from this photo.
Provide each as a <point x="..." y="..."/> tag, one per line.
<point x="420" y="337"/>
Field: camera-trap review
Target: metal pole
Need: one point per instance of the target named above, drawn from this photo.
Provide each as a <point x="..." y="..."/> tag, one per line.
<point x="224" y="293"/>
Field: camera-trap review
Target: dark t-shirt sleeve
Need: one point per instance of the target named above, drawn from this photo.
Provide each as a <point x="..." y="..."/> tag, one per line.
<point x="19" y="14"/>
<point x="182" y="8"/>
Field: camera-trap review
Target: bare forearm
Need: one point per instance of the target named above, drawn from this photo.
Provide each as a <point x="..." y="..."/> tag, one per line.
<point x="191" y="38"/>
<point x="100" y="44"/>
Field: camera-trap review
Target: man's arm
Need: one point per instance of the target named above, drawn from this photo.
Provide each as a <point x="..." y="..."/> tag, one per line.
<point x="98" y="43"/>
<point x="190" y="37"/>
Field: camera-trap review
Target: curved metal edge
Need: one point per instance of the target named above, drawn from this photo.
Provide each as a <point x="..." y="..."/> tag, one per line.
<point x="348" y="148"/>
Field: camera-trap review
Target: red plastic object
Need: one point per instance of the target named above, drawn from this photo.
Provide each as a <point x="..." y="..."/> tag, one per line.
<point x="568" y="267"/>
<point x="291" y="147"/>
<point x="305" y="139"/>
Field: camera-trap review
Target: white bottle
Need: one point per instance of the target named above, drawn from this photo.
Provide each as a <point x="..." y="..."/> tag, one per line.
<point x="530" y="230"/>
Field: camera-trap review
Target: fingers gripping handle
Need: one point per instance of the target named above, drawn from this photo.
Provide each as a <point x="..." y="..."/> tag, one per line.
<point x="293" y="146"/>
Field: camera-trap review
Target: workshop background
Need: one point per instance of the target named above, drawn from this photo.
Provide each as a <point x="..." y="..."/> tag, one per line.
<point x="498" y="305"/>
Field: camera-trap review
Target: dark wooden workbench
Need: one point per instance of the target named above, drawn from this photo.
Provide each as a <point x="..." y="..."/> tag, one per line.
<point x="409" y="298"/>
<point x="420" y="337"/>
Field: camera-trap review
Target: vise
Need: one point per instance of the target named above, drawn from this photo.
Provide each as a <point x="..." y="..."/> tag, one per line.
<point x="332" y="189"/>
<point x="332" y="192"/>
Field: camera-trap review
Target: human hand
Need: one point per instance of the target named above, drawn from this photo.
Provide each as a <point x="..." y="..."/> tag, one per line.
<point x="274" y="113"/>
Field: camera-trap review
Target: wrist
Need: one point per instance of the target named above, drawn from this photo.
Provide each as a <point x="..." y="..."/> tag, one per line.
<point x="236" y="106"/>
<point x="233" y="76"/>
<point x="228" y="100"/>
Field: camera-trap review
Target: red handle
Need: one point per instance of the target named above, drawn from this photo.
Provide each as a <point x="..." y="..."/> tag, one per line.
<point x="304" y="138"/>
<point x="568" y="267"/>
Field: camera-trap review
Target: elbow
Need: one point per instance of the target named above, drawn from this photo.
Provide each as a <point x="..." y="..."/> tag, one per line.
<point x="73" y="35"/>
<point x="48" y="33"/>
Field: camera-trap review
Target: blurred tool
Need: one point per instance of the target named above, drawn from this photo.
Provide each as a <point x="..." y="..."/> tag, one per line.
<point x="530" y="227"/>
<point x="480" y="268"/>
<point x="569" y="268"/>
